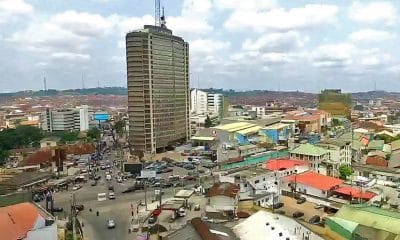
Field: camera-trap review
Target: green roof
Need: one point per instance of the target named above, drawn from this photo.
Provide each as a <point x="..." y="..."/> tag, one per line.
<point x="371" y="216"/>
<point x="376" y="145"/>
<point x="346" y="224"/>
<point x="310" y="150"/>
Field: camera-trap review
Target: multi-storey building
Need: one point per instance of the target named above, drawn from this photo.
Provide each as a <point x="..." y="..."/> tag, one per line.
<point x="203" y="103"/>
<point x="158" y="88"/>
<point x="74" y="119"/>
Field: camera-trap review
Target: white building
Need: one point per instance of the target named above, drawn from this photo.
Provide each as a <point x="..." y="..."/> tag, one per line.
<point x="259" y="110"/>
<point x="64" y="119"/>
<point x="203" y="102"/>
<point x="84" y="118"/>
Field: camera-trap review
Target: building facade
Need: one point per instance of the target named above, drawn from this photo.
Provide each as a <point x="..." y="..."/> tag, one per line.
<point x="203" y="102"/>
<point x="84" y="118"/>
<point x="158" y="88"/>
<point x="60" y="120"/>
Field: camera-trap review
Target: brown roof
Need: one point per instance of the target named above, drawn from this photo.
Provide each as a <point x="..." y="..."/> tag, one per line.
<point x="377" y="161"/>
<point x="203" y="230"/>
<point x="39" y="157"/>
<point x="223" y="189"/>
<point x="17" y="220"/>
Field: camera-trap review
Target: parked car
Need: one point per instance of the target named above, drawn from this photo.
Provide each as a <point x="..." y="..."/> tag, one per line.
<point x="301" y="200"/>
<point x="315" y="219"/>
<point x="98" y="177"/>
<point x="93" y="183"/>
<point x="278" y="205"/>
<point x="152" y="220"/>
<point x="298" y="214"/>
<point x="79" y="207"/>
<point x="111" y="187"/>
<point x="76" y="187"/>
<point x="197" y="207"/>
<point x="188" y="178"/>
<point x="111" y="195"/>
<point x="167" y="184"/>
<point x="318" y="206"/>
<point x="166" y="170"/>
<point x="57" y="209"/>
<point x="129" y="189"/>
<point x="37" y="197"/>
<point x="110" y="223"/>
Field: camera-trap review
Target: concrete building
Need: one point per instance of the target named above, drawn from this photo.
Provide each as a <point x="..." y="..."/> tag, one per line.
<point x="314" y="155"/>
<point x="60" y="120"/>
<point x="339" y="154"/>
<point x="84" y="118"/>
<point x="203" y="102"/>
<point x="27" y="221"/>
<point x="259" y="110"/>
<point x="158" y="88"/>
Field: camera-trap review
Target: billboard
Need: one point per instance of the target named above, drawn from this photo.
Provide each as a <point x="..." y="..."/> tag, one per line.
<point x="148" y="174"/>
<point x="101" y="116"/>
<point x="133" y="168"/>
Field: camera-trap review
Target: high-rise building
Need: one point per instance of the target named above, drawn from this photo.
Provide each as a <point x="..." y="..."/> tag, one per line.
<point x="335" y="102"/>
<point x="84" y="118"/>
<point x="158" y="88"/>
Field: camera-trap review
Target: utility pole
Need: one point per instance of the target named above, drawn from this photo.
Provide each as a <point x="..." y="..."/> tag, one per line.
<point x="145" y="195"/>
<point x="73" y="213"/>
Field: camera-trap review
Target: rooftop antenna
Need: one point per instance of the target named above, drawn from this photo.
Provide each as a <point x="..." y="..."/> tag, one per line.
<point x="162" y="19"/>
<point x="45" y="83"/>
<point x="157" y="19"/>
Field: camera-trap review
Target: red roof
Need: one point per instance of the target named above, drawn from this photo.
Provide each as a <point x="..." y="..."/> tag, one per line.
<point x="314" y="180"/>
<point x="355" y="192"/>
<point x="279" y="164"/>
<point x="16" y="220"/>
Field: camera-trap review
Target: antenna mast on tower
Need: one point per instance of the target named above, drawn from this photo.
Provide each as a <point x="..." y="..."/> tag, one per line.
<point x="157" y="19"/>
<point x="45" y="83"/>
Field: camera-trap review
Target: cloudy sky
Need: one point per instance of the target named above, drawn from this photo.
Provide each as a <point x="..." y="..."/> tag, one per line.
<point x="252" y="44"/>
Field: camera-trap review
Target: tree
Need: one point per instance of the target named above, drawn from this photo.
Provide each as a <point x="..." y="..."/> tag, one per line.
<point x="3" y="157"/>
<point x="208" y="122"/>
<point x="345" y="171"/>
<point x="139" y="154"/>
<point x="94" y="133"/>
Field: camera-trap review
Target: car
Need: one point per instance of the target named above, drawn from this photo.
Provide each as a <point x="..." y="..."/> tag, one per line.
<point x="79" y="207"/>
<point x="166" y="170"/>
<point x="119" y="179"/>
<point x="111" y="195"/>
<point x="197" y="207"/>
<point x="93" y="183"/>
<point x="57" y="209"/>
<point x="318" y="206"/>
<point x="278" y="205"/>
<point x="37" y="197"/>
<point x="301" y="200"/>
<point x="298" y="214"/>
<point x="315" y="219"/>
<point x="188" y="178"/>
<point x="110" y="223"/>
<point x="159" y="171"/>
<point x="167" y="184"/>
<point x="76" y="187"/>
<point x="98" y="177"/>
<point x="102" y="167"/>
<point x="111" y="187"/>
<point x="189" y="166"/>
<point x="152" y="220"/>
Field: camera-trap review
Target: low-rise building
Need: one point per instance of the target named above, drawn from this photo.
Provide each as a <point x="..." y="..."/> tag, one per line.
<point x="339" y="154"/>
<point x="314" y="155"/>
<point x="26" y="221"/>
<point x="222" y="200"/>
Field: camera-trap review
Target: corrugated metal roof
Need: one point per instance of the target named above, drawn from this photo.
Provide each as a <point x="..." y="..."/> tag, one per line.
<point x="370" y="216"/>
<point x="250" y="130"/>
<point x="309" y="149"/>
<point x="233" y="127"/>
<point x="276" y="126"/>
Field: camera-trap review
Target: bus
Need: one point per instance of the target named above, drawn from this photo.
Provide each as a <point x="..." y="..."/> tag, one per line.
<point x="101" y="197"/>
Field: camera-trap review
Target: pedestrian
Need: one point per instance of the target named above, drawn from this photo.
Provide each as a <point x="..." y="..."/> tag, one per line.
<point x="97" y="213"/>
<point x="132" y="213"/>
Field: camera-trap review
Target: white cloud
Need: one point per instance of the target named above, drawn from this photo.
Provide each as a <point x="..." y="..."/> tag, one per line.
<point x="49" y="37"/>
<point x="252" y="5"/>
<point x="70" y="56"/>
<point x="280" y="19"/>
<point x="349" y="57"/>
<point x="275" y="42"/>
<point x="126" y="24"/>
<point x="186" y="26"/>
<point x="207" y="46"/>
<point x="370" y="35"/>
<point x="373" y="12"/>
<point x="13" y="8"/>
<point x="82" y="23"/>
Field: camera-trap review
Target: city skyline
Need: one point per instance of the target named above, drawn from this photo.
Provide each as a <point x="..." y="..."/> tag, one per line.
<point x="234" y="45"/>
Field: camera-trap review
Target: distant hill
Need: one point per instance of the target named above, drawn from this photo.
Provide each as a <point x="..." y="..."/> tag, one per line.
<point x="53" y="92"/>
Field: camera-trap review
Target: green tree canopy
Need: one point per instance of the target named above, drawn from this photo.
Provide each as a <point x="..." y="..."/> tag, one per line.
<point x="94" y="133"/>
<point x="345" y="171"/>
<point x="119" y="126"/>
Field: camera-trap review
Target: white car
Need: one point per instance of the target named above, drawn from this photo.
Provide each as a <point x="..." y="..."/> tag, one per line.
<point x="110" y="223"/>
<point x="111" y="195"/>
<point x="76" y="187"/>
